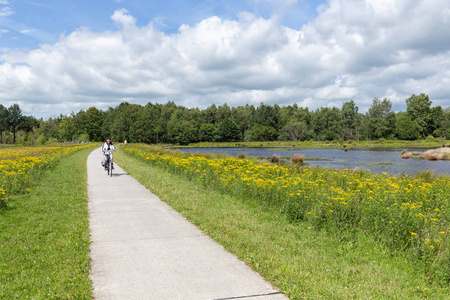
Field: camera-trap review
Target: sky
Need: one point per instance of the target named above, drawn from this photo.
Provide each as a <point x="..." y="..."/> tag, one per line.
<point x="61" y="56"/>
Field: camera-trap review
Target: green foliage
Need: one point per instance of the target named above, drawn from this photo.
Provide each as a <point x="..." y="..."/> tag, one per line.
<point x="93" y="120"/>
<point x="207" y="132"/>
<point x="405" y="128"/>
<point x="83" y="137"/>
<point x="263" y="133"/>
<point x="447" y="134"/>
<point x="419" y="110"/>
<point x="326" y="123"/>
<point x="349" y="113"/>
<point x="181" y="128"/>
<point x="295" y="131"/>
<point x="41" y="140"/>
<point x="169" y="123"/>
<point x="228" y="131"/>
<point x="381" y="119"/>
<point x="267" y="116"/>
<point x="14" y="119"/>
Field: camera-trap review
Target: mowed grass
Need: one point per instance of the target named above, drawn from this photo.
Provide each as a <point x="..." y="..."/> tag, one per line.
<point x="44" y="236"/>
<point x="296" y="258"/>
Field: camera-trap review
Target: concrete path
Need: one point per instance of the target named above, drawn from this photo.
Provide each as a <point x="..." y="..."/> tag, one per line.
<point x="142" y="249"/>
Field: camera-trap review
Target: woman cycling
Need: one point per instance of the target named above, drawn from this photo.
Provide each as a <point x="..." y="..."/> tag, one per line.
<point x="108" y="146"/>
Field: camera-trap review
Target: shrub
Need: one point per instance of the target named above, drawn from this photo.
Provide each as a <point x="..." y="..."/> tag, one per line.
<point x="274" y="158"/>
<point x="297" y="159"/>
<point x="241" y="156"/>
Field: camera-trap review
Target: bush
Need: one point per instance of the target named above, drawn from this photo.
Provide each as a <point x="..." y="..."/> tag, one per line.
<point x="51" y="141"/>
<point x="297" y="159"/>
<point x="275" y="158"/>
<point x="83" y="137"/>
<point x="241" y="156"/>
<point x="41" y="140"/>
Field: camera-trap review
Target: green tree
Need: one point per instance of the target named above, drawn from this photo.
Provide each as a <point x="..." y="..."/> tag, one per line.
<point x="149" y="120"/>
<point x="182" y="128"/>
<point x="4" y="121"/>
<point x="68" y="128"/>
<point x="267" y="115"/>
<point x="228" y="131"/>
<point x="294" y="114"/>
<point x="124" y="123"/>
<point x="349" y="113"/>
<point x="223" y="112"/>
<point x="243" y="117"/>
<point x="210" y="114"/>
<point x="14" y="119"/>
<point x="418" y="108"/>
<point x="405" y="128"/>
<point x="165" y="112"/>
<point x="93" y="121"/>
<point x="263" y="133"/>
<point x="437" y="117"/>
<point x="326" y="123"/>
<point x="381" y="119"/>
<point x="207" y="132"/>
<point x="445" y="124"/>
<point x="295" y="131"/>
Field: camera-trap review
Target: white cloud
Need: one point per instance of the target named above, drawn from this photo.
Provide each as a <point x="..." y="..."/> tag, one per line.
<point x="122" y="18"/>
<point x="27" y="31"/>
<point x="354" y="49"/>
<point x="6" y="11"/>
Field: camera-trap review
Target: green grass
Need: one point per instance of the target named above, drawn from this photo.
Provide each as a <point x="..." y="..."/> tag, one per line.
<point x="302" y="262"/>
<point x="427" y="143"/>
<point x="44" y="236"/>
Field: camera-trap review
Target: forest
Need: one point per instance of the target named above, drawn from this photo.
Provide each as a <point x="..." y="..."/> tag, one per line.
<point x="174" y="124"/>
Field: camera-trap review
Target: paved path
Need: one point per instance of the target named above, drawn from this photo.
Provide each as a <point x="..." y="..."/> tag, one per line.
<point x="143" y="249"/>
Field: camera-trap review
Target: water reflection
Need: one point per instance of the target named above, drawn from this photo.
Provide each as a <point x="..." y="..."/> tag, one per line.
<point x="376" y="160"/>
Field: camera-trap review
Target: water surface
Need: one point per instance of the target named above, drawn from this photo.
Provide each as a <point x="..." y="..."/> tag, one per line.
<point x="376" y="160"/>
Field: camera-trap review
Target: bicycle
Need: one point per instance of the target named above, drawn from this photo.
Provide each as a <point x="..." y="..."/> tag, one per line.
<point x="108" y="162"/>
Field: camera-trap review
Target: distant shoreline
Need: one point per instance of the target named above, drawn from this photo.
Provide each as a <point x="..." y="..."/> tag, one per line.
<point x="425" y="144"/>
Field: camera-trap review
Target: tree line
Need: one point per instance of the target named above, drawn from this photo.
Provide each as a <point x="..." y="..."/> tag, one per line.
<point x="171" y="123"/>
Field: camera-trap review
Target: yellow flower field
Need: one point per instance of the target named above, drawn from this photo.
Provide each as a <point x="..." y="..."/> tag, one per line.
<point x="401" y="212"/>
<point x="20" y="166"/>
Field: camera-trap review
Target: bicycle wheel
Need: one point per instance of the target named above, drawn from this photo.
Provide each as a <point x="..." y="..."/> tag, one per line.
<point x="110" y="167"/>
<point x="107" y="166"/>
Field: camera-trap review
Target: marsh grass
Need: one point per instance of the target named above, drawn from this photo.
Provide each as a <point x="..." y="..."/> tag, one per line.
<point x="44" y="236"/>
<point x="427" y="143"/>
<point x="301" y="260"/>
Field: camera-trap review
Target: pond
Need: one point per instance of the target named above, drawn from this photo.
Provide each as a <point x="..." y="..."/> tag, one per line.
<point x="376" y="160"/>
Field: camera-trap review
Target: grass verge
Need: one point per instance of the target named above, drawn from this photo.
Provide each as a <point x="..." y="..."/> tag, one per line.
<point x="302" y="262"/>
<point x="44" y="236"/>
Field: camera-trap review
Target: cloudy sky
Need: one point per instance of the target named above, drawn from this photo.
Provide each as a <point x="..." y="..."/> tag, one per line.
<point x="59" y="56"/>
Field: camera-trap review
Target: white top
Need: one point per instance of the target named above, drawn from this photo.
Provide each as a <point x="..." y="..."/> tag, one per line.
<point x="108" y="147"/>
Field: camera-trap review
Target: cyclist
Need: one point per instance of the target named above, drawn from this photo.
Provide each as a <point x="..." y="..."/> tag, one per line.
<point x="108" y="145"/>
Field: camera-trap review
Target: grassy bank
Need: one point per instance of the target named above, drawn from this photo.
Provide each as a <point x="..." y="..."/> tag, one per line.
<point x="44" y="236"/>
<point x="303" y="262"/>
<point x="428" y="143"/>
